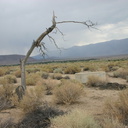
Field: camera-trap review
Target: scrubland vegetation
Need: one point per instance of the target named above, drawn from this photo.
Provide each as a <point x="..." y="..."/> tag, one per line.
<point x="55" y="99"/>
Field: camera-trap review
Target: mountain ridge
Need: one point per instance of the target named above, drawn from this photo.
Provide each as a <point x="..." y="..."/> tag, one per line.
<point x="13" y="59"/>
<point x="108" y="48"/>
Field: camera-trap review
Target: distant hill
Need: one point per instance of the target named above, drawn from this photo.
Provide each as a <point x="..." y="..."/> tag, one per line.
<point x="108" y="48"/>
<point x="12" y="59"/>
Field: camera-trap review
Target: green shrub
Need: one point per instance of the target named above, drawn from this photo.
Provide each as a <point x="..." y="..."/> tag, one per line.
<point x="67" y="93"/>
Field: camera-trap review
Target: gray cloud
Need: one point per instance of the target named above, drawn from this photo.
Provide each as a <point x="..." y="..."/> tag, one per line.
<point x="22" y="21"/>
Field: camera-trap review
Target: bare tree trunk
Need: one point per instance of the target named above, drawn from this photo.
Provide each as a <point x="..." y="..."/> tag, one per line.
<point x="21" y="89"/>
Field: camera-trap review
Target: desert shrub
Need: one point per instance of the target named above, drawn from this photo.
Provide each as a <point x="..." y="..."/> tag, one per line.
<point x="45" y="75"/>
<point x="8" y="123"/>
<point x="72" y="70"/>
<point x="111" y="123"/>
<point x="48" y="85"/>
<point x="95" y="81"/>
<point x="127" y="78"/>
<point x="57" y="76"/>
<point x="32" y="100"/>
<point x="9" y="79"/>
<point x="112" y="67"/>
<point x="6" y="93"/>
<point x="47" y="68"/>
<point x="18" y="73"/>
<point x="89" y="67"/>
<point x="86" y="69"/>
<point x="66" y="77"/>
<point x="58" y="70"/>
<point x="32" y="78"/>
<point x="67" y="93"/>
<point x="2" y="72"/>
<point x="75" y="119"/>
<point x="32" y="70"/>
<point x="121" y="73"/>
<point x="119" y="108"/>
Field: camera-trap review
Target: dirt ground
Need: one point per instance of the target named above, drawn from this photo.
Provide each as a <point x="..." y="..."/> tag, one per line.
<point x="92" y="101"/>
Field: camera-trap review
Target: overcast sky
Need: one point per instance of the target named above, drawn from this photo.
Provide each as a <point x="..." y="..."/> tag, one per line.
<point x="22" y="21"/>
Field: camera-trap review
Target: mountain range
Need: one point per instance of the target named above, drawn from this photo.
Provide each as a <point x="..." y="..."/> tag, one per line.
<point x="102" y="49"/>
<point x="108" y="48"/>
<point x="13" y="59"/>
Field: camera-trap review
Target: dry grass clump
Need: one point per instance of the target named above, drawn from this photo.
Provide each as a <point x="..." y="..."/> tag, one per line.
<point x="2" y="72"/>
<point x="58" y="70"/>
<point x="72" y="69"/>
<point x="111" y="123"/>
<point x="8" y="123"/>
<point x="50" y="85"/>
<point x="95" y="81"/>
<point x="89" y="68"/>
<point x="6" y="93"/>
<point x="32" y="70"/>
<point x="122" y="73"/>
<point x="119" y="108"/>
<point x="75" y="119"/>
<point x="57" y="76"/>
<point x="18" y="73"/>
<point x="32" y="78"/>
<point x="32" y="99"/>
<point x="45" y="75"/>
<point x="68" y="92"/>
<point x="8" y="79"/>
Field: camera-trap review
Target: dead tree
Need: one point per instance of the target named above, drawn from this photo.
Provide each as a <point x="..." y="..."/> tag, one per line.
<point x="38" y="43"/>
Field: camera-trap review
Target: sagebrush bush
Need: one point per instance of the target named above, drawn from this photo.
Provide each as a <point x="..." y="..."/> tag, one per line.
<point x="58" y="70"/>
<point x="72" y="69"/>
<point x="32" y="70"/>
<point x="75" y="119"/>
<point x="32" y="78"/>
<point x="118" y="108"/>
<point x="95" y="81"/>
<point x="45" y="75"/>
<point x="67" y="93"/>
<point x="57" y="76"/>
<point x="122" y="73"/>
<point x="49" y="86"/>
<point x="32" y="100"/>
<point x="8" y="79"/>
<point x="2" y="72"/>
<point x="6" y="93"/>
<point x="18" y="73"/>
<point x="108" y="122"/>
